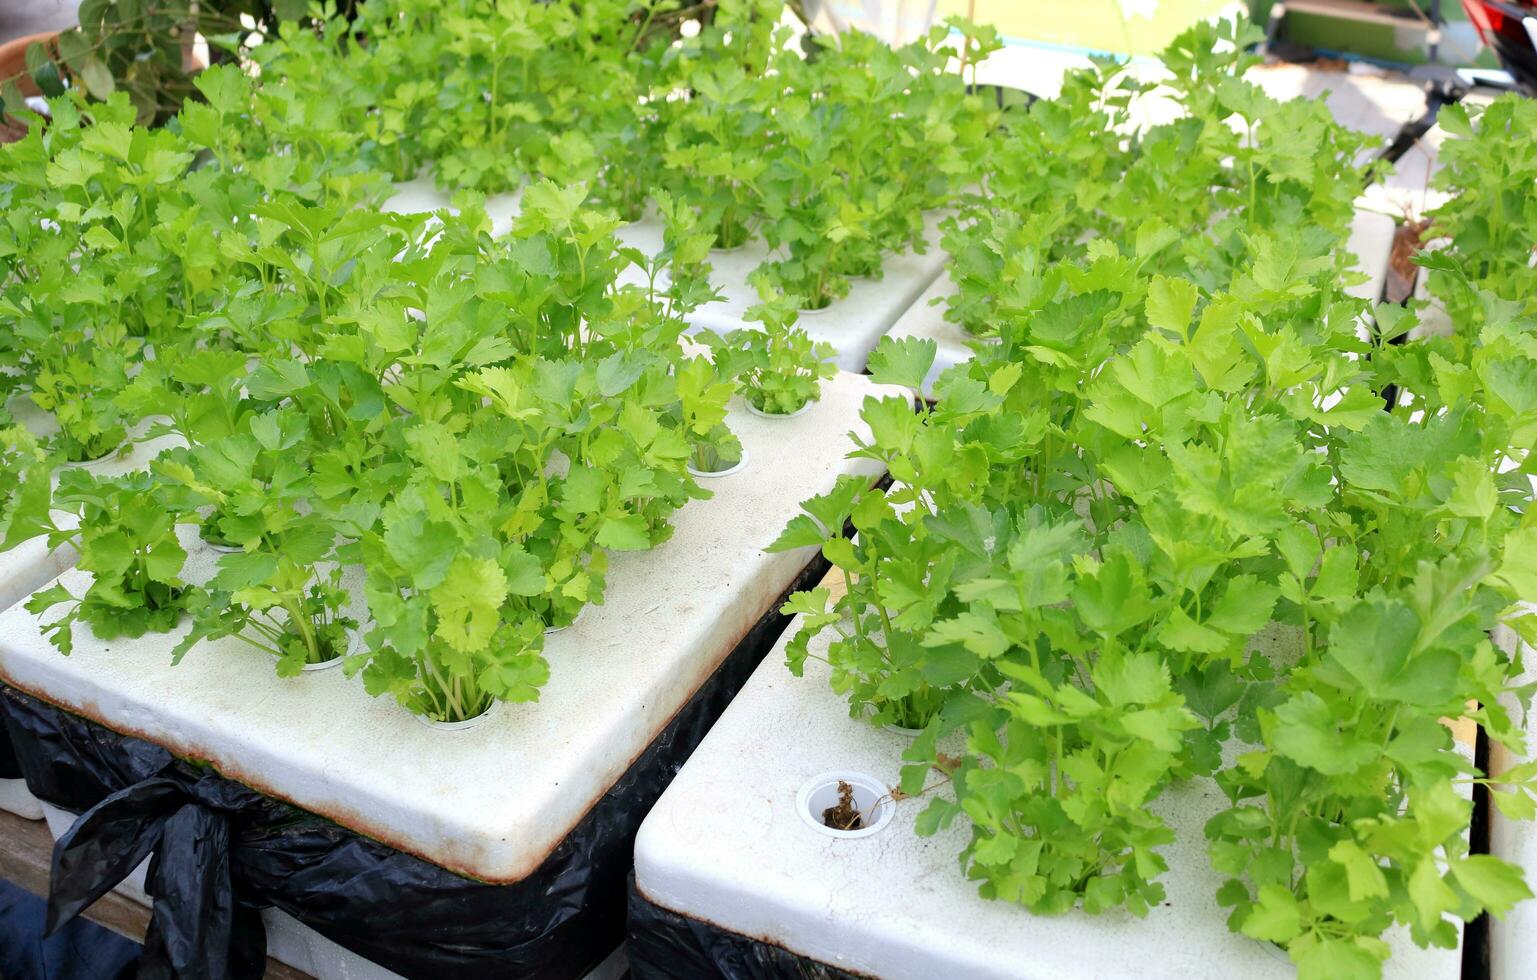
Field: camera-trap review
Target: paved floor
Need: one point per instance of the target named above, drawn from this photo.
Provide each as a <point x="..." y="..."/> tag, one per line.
<point x="22" y="17"/>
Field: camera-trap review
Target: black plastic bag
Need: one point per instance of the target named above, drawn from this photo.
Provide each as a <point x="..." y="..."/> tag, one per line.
<point x="9" y="767"/>
<point x="184" y="820"/>
<point x="237" y="851"/>
<point x="667" y="945"/>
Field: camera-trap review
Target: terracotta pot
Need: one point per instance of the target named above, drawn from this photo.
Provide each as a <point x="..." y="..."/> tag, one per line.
<point x="13" y="60"/>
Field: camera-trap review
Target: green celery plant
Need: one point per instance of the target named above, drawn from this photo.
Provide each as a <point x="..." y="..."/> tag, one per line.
<point x="126" y="538"/>
<point x="780" y="369"/>
<point x="1489" y="217"/>
<point x="1113" y="508"/>
<point x="282" y="593"/>
<point x="701" y="408"/>
<point x="25" y="486"/>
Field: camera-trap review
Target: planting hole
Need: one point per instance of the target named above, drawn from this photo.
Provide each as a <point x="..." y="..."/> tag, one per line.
<point x="845" y="804"/>
<point x="551" y="630"/>
<point x="725" y="470"/>
<point x="468" y="724"/>
<point x="755" y="410"/>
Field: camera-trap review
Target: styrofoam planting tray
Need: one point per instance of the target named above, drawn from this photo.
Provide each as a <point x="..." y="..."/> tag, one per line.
<point x="725" y="844"/>
<point x="422" y="194"/>
<point x="1370" y="245"/>
<point x="494" y="802"/>
<point x="1434" y="320"/>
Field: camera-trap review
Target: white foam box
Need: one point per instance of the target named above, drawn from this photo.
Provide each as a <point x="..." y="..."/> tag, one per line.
<point x="853" y="325"/>
<point x="492" y="802"/>
<point x="422" y="194"/>
<point x="1435" y="321"/>
<point x="32" y="564"/>
<point x="726" y="844"/>
<point x="1370" y="245"/>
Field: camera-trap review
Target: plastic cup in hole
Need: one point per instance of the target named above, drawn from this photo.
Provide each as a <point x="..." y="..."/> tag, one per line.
<point x="870" y="797"/>
<point x="755" y="410"/>
<point x="354" y="640"/>
<point x="548" y="630"/>
<point x="699" y="474"/>
<point x="459" y="726"/>
<point x="1273" y="951"/>
<point x="100" y="462"/>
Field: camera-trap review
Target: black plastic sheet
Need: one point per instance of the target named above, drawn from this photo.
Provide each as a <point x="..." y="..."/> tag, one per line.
<point x="184" y="820"/>
<point x="667" y="945"/>
<point x="224" y="851"/>
<point x="9" y="767"/>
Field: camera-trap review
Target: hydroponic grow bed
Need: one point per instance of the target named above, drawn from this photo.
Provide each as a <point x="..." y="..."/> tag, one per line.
<point x="498" y="799"/>
<point x="853" y="325"/>
<point x="32" y="564"/>
<point x="729" y="850"/>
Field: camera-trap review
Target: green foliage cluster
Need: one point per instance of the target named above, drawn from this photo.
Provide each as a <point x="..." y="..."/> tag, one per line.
<point x="474" y="423"/>
<point x="1168" y="528"/>
<point x="832" y="159"/>
<point x="778" y="369"/>
<point x="1083" y="168"/>
<point x="1491" y="218"/>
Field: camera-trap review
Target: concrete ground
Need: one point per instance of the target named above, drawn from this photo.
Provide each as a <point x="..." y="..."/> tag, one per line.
<point x="21" y="17"/>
